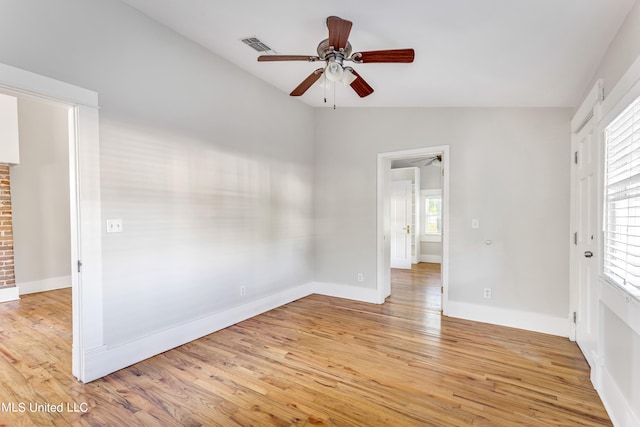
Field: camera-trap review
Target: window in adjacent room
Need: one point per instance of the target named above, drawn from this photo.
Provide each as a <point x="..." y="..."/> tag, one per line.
<point x="432" y="215"/>
<point x="621" y="261"/>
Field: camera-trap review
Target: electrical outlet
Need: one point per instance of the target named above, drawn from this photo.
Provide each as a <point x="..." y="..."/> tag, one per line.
<point x="487" y="293"/>
<point x="243" y="290"/>
<point x="360" y="277"/>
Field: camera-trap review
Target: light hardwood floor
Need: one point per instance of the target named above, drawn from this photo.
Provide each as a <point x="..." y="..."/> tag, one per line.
<point x="318" y="361"/>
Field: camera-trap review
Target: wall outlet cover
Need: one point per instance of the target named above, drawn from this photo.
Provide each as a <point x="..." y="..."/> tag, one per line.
<point x="114" y="226"/>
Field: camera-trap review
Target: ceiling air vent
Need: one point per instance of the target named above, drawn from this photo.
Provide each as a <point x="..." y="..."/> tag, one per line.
<point x="256" y="44"/>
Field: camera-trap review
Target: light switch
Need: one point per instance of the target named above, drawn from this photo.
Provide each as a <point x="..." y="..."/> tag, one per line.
<point x="475" y="223"/>
<point x="114" y="226"/>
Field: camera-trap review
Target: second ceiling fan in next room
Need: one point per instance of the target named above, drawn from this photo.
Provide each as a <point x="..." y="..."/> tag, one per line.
<point x="335" y="51"/>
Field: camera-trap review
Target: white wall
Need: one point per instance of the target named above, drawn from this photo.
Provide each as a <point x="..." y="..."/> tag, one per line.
<point x="508" y="167"/>
<point x="431" y="177"/>
<point x="209" y="168"/>
<point x="617" y="370"/>
<point x="40" y="198"/>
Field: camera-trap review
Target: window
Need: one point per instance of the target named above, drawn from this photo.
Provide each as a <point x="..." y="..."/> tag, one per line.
<point x="432" y="214"/>
<point x="622" y="199"/>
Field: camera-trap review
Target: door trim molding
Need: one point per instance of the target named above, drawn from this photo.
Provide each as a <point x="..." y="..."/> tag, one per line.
<point x="383" y="279"/>
<point x="22" y="82"/>
<point x="85" y="210"/>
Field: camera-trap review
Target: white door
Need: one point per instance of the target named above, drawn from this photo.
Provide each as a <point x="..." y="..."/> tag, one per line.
<point x="401" y="202"/>
<point x="585" y="237"/>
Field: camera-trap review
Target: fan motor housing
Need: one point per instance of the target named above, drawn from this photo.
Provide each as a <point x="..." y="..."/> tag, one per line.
<point x="326" y="51"/>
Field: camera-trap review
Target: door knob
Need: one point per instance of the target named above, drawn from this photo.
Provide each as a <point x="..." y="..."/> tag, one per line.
<point x="588" y="254"/>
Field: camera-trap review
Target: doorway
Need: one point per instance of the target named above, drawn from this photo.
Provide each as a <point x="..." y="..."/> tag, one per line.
<point x="409" y="158"/>
<point x="40" y="195"/>
<point x="84" y="203"/>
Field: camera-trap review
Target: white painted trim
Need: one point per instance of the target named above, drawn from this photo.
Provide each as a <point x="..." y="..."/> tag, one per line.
<point x="9" y="294"/>
<point x="89" y="227"/>
<point x="615" y="402"/>
<point x="101" y="361"/>
<point x="573" y="226"/>
<point x="620" y="302"/>
<point x="74" y="234"/>
<point x="596" y="371"/>
<point x="383" y="279"/>
<point x="84" y="170"/>
<point x="23" y="82"/>
<point x="351" y="292"/>
<point x="585" y="111"/>
<point x="435" y="259"/>
<point x="625" y="91"/>
<point x="48" y="284"/>
<point x="530" y="321"/>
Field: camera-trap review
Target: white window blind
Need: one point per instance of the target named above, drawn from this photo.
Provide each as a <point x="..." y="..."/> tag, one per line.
<point x="622" y="188"/>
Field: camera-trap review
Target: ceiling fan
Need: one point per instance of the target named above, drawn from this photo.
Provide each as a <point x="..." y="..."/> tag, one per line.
<point x="433" y="160"/>
<point x="335" y="51"/>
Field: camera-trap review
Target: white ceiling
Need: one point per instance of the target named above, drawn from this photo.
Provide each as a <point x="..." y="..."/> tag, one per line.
<point x="468" y="52"/>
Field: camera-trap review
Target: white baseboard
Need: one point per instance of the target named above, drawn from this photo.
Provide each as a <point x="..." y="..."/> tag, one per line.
<point x="620" y="411"/>
<point x="104" y="360"/>
<point x="435" y="259"/>
<point x="356" y="293"/>
<point x="512" y="318"/>
<point x="44" y="285"/>
<point x="9" y="294"/>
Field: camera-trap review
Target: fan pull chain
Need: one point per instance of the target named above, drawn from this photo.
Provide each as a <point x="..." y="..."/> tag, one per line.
<point x="325" y="90"/>
<point x="334" y="95"/>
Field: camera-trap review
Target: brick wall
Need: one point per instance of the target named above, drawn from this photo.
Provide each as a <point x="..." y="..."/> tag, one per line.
<point x="7" y="275"/>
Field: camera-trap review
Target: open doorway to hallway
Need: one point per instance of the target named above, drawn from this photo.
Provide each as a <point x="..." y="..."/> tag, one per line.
<point x="37" y="217"/>
<point x="412" y="218"/>
<point x="416" y="210"/>
<point x="84" y="203"/>
<point x="41" y="198"/>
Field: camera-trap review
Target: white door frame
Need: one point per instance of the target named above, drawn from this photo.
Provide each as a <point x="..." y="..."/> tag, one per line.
<point x="384" y="221"/>
<point x="85" y="218"/>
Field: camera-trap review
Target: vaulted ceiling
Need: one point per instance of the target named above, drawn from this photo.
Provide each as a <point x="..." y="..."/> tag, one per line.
<point x="468" y="52"/>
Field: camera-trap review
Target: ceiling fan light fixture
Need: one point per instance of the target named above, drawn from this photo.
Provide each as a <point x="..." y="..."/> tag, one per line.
<point x="333" y="72"/>
<point x="347" y="76"/>
<point x="323" y="82"/>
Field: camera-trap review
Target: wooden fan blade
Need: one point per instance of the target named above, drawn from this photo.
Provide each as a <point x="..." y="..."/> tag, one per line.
<point x="361" y="87"/>
<point x="267" y="58"/>
<point x="307" y="83"/>
<point x="395" y="55"/>
<point x="339" y="30"/>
